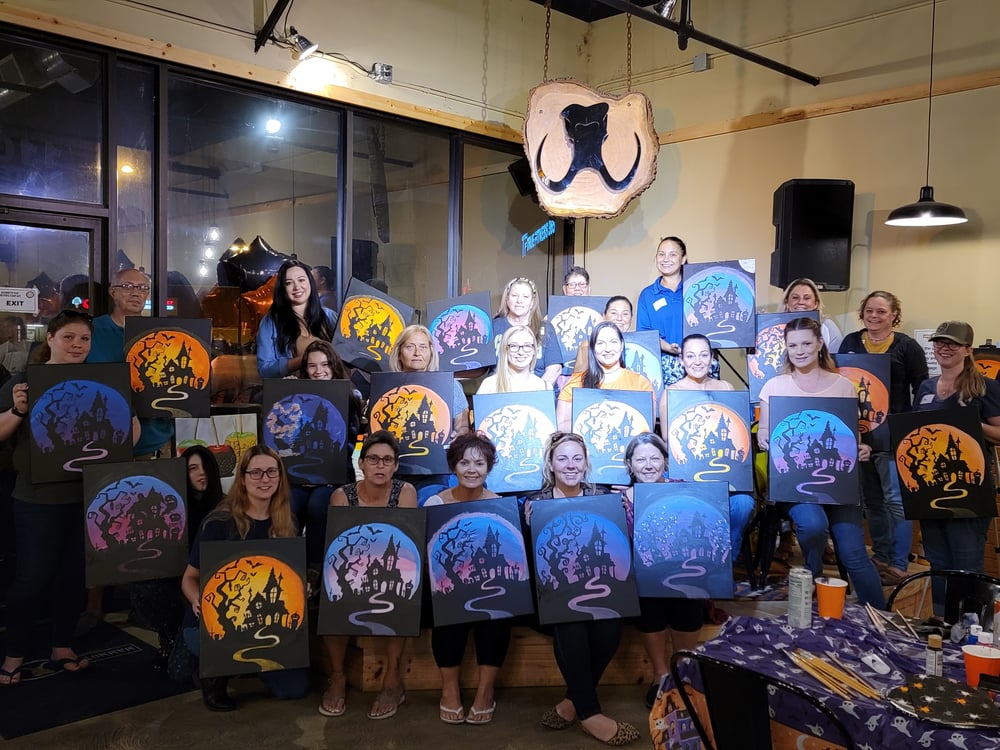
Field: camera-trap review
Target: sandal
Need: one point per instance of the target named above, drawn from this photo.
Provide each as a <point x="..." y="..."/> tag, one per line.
<point x="451" y="715"/>
<point x="79" y="663"/>
<point x="481" y="715"/>
<point x="390" y="699"/>
<point x="334" y="700"/>
<point x="11" y="677"/>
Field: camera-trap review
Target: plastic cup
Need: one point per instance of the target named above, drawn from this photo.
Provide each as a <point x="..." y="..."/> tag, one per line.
<point x="980" y="660"/>
<point x="830" y="595"/>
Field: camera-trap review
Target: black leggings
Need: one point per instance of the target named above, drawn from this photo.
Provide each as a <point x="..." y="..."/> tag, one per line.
<point x="583" y="651"/>
<point x="492" y="639"/>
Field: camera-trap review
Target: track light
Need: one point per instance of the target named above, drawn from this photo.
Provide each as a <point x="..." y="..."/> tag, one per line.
<point x="303" y="47"/>
<point x="664" y="8"/>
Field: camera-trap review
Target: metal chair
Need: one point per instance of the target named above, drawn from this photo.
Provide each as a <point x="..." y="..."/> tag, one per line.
<point x="965" y="591"/>
<point x="736" y="703"/>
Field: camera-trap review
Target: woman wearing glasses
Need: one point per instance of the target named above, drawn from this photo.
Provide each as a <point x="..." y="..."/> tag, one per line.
<point x="958" y="543"/>
<point x="583" y="649"/>
<point x="519" y="306"/>
<point x="256" y="507"/>
<point x="515" y="365"/>
<point x="48" y="518"/>
<point x="295" y="320"/>
<point x="605" y="369"/>
<point x="377" y="489"/>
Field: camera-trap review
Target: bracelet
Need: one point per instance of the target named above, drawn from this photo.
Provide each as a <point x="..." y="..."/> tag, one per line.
<point x="16" y="413"/>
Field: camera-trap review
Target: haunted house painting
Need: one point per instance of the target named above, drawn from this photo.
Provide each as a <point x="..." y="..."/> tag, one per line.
<point x="372" y="572"/>
<point x="943" y="468"/>
<point x="870" y="375"/>
<point x="135" y="521"/>
<point x="253" y="606"/>
<point x="709" y="437"/>
<point x="518" y="424"/>
<point x="583" y="566"/>
<point x="813" y="452"/>
<point x="369" y="324"/>
<point x="573" y="318"/>
<point x="462" y="332"/>
<point x="416" y="407"/>
<point x="80" y="414"/>
<point x="719" y="302"/>
<point x="477" y="562"/>
<point x="305" y="421"/>
<point x="169" y="366"/>
<point x="767" y="358"/>
<point x="642" y="355"/>
<point x="607" y="420"/>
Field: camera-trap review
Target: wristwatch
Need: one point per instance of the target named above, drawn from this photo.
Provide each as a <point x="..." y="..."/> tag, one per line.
<point x="16" y="413"/>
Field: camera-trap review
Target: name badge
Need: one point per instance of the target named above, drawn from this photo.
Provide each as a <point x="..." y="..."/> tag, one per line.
<point x="928" y="399"/>
<point x="659" y="304"/>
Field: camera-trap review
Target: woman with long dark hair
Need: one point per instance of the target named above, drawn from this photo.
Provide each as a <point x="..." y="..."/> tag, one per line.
<point x="295" y="320"/>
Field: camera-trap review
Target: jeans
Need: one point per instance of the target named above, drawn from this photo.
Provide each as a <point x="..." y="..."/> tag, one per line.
<point x="844" y="522"/>
<point x="309" y="508"/>
<point x="49" y="569"/>
<point x="892" y="534"/>
<point x="285" y="684"/>
<point x="741" y="507"/>
<point x="953" y="544"/>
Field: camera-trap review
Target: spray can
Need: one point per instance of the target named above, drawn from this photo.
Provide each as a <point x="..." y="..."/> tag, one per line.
<point x="800" y="593"/>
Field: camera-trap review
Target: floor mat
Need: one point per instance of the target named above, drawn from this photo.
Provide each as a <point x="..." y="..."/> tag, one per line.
<point x="120" y="676"/>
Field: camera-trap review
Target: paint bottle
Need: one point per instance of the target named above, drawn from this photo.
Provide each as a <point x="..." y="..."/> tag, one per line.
<point x="974" y="632"/>
<point x="933" y="659"/>
<point x="800" y="593"/>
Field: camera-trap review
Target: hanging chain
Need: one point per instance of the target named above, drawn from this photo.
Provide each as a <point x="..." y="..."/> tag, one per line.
<point x="628" y="53"/>
<point x="548" y="23"/>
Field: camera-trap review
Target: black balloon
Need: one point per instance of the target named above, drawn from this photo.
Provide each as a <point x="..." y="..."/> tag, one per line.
<point x="251" y="268"/>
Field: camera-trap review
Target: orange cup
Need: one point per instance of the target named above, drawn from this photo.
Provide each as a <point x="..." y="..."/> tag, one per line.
<point x="830" y="594"/>
<point x="980" y="660"/>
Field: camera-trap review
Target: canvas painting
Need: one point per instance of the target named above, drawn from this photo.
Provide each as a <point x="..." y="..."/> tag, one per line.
<point x="870" y="375"/>
<point x="518" y="424"/>
<point x="477" y="562"/>
<point x="720" y="302"/>
<point x="642" y="355"/>
<point x="573" y="318"/>
<point x="416" y="407"/>
<point x="813" y="456"/>
<point x="988" y="361"/>
<point x="169" y="366"/>
<point x="372" y="572"/>
<point x="943" y="467"/>
<point x="79" y="415"/>
<point x="226" y="434"/>
<point x="462" y="331"/>
<point x="583" y="559"/>
<point x="709" y="437"/>
<point x="607" y="420"/>
<point x="135" y="521"/>
<point x="253" y="606"/>
<point x="370" y="322"/>
<point x="305" y="421"/>
<point x="682" y="541"/>
<point x="768" y="356"/>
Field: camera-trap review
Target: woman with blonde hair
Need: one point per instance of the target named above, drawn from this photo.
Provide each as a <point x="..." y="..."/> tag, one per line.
<point x="802" y="295"/>
<point x="515" y="364"/>
<point x="519" y="306"/>
<point x="413" y="351"/>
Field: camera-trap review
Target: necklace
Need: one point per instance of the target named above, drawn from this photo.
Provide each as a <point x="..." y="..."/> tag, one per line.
<point x="874" y="340"/>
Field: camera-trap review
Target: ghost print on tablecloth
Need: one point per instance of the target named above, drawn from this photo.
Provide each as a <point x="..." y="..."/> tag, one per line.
<point x="518" y="425"/>
<point x="719" y="302"/>
<point x="462" y="332"/>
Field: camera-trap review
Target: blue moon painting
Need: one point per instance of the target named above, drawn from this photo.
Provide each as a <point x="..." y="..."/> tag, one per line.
<point x="588" y="530"/>
<point x="135" y="510"/>
<point x="305" y="430"/>
<point x="371" y="559"/>
<point x="78" y="412"/>
<point x="475" y="528"/>
<point x="460" y="333"/>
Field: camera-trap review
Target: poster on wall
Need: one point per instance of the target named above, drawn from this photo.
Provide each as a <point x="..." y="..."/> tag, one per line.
<point x="944" y="471"/>
<point x="682" y="543"/>
<point x="462" y="332"/>
<point x="372" y="572"/>
<point x="79" y="414"/>
<point x="305" y="422"/>
<point x="253" y="606"/>
<point x="518" y="424"/>
<point x="135" y="521"/>
<point x="583" y="559"/>
<point x="720" y="302"/>
<point x="813" y="454"/>
<point x="573" y="318"/>
<point x="416" y="407"/>
<point x="169" y="366"/>
<point x="870" y="375"/>
<point x="607" y="421"/>
<point x="709" y="437"/>
<point x="642" y="355"/>
<point x="767" y="359"/>
<point x="370" y="321"/>
<point x="477" y="562"/>
<point x="226" y="434"/>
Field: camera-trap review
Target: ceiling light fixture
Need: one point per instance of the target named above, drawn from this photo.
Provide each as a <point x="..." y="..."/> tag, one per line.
<point x="303" y="47"/>
<point x="927" y="212"/>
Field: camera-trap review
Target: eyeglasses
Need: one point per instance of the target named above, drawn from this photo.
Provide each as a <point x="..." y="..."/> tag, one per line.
<point x="379" y="460"/>
<point x="128" y="287"/>
<point x="577" y="284"/>
<point x="520" y="347"/>
<point x="945" y="344"/>
<point x="257" y="474"/>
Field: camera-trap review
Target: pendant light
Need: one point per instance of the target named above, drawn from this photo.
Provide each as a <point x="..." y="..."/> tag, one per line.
<point x="927" y="212"/>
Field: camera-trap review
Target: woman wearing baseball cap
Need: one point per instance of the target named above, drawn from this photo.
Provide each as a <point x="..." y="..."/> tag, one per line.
<point x="957" y="543"/>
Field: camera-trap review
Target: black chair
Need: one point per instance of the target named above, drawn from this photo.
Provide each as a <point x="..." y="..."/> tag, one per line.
<point x="736" y="703"/>
<point x="965" y="591"/>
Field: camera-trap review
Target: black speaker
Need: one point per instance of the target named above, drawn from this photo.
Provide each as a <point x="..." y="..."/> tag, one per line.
<point x="520" y="172"/>
<point x="812" y="225"/>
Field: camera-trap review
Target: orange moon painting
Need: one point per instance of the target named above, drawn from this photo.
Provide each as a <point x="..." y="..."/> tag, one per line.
<point x="228" y="593"/>
<point x="372" y="322"/>
<point x="921" y="454"/>
<point x="874" y="408"/>
<point x="691" y="432"/>
<point x="413" y="414"/>
<point x="156" y="357"/>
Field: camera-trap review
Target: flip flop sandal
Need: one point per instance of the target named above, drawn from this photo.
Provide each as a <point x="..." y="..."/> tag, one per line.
<point x="13" y="676"/>
<point x="387" y="698"/>
<point x="332" y="703"/>
<point x="451" y="715"/>
<point x="481" y="715"/>
<point x="60" y="665"/>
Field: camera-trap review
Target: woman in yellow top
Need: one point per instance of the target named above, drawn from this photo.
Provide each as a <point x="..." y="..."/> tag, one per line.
<point x="605" y="369"/>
